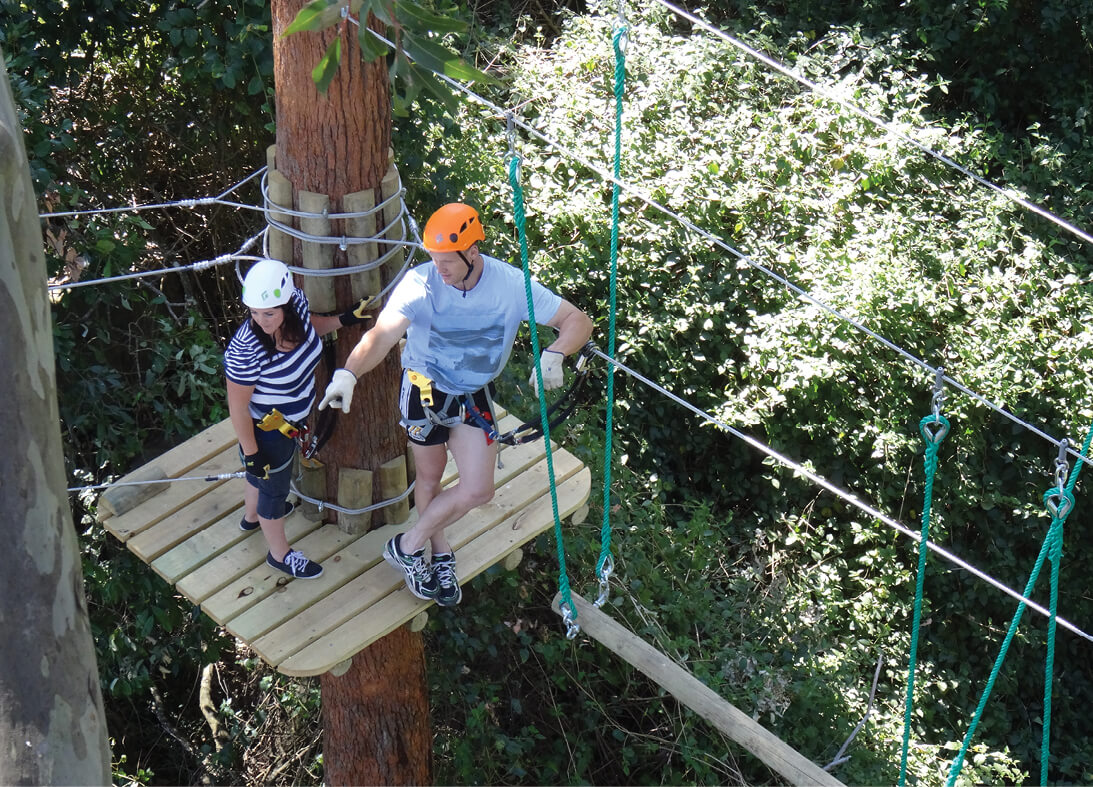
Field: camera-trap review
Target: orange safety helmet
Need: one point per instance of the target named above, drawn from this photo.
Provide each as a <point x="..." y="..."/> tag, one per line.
<point x="455" y="227"/>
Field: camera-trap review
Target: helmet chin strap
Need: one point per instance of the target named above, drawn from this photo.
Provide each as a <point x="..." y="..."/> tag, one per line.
<point x="470" y="270"/>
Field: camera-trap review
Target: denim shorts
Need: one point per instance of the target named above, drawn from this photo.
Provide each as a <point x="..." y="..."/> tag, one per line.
<point x="278" y="452"/>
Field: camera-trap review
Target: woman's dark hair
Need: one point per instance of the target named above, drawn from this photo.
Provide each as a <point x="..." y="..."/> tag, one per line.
<point x="292" y="329"/>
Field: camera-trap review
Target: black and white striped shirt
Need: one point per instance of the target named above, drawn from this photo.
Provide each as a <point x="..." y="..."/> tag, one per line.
<point x="282" y="380"/>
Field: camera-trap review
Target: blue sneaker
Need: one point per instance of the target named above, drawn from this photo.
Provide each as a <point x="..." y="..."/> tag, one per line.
<point x="417" y="573"/>
<point x="448" y="592"/>
<point x="295" y="564"/>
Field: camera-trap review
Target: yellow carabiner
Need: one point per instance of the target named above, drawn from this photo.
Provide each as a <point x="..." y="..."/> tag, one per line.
<point x="274" y="420"/>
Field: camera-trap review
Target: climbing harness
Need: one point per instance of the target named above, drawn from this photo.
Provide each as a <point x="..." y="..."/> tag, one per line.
<point x="468" y="411"/>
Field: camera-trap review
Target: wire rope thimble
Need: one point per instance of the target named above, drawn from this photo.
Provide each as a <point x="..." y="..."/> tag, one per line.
<point x="570" y="619"/>
<point x="606" y="568"/>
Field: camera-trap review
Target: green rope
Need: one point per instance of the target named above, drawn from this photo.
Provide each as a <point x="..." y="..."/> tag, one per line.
<point x="933" y="443"/>
<point x="1059" y="516"/>
<point x="569" y="612"/>
<point x="1055" y="554"/>
<point x="605" y="562"/>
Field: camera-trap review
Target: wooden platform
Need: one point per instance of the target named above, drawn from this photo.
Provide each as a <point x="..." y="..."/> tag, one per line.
<point x="189" y="534"/>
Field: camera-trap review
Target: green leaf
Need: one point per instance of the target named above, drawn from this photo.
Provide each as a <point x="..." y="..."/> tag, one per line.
<point x="420" y="19"/>
<point x="316" y="15"/>
<point x="434" y="87"/>
<point x="440" y="60"/>
<point x="324" y="72"/>
<point x="380" y="9"/>
<point x="371" y="46"/>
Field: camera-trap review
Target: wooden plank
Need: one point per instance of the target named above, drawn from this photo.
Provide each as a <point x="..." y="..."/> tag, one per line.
<point x="117" y="500"/>
<point x="214" y="505"/>
<point x="395" y="609"/>
<point x="225" y="567"/>
<point x="245" y="590"/>
<point x="200" y="548"/>
<point x="176" y="496"/>
<point x="363" y="588"/>
<point x="685" y="687"/>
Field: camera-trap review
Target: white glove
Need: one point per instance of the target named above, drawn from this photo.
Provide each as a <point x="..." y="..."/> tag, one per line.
<point x="551" y="363"/>
<point x="340" y="391"/>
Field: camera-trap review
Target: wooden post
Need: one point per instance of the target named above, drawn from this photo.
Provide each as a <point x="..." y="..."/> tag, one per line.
<point x="376" y="715"/>
<point x="689" y="690"/>
<point x="280" y="193"/>
<point x="392" y="477"/>
<point x="354" y="491"/>
<point x="366" y="283"/>
<point x="317" y="256"/>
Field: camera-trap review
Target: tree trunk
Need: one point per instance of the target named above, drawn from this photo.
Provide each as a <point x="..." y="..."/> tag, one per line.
<point x="376" y="720"/>
<point x="52" y="726"/>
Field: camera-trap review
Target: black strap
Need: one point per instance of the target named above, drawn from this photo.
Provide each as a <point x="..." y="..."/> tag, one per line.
<point x="314" y="438"/>
<point x="559" y="410"/>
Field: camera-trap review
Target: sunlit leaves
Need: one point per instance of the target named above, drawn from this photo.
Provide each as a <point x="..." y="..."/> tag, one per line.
<point x="419" y="55"/>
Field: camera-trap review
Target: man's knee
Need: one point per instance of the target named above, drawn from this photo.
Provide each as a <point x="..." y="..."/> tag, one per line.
<point x="478" y="494"/>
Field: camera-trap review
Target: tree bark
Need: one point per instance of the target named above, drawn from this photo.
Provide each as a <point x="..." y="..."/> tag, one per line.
<point x="381" y="699"/>
<point x="376" y="716"/>
<point x="52" y="725"/>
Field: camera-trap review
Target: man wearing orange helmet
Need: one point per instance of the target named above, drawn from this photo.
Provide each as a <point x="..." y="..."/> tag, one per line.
<point x="460" y="314"/>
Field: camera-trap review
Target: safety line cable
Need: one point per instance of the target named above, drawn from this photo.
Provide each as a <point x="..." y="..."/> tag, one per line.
<point x="848" y="497"/>
<point x="193" y="266"/>
<point x="1061" y="505"/>
<point x="154" y="481"/>
<point x="323" y="504"/>
<point x="341" y="241"/>
<point x="182" y="203"/>
<point x="879" y="122"/>
<point x="746" y="259"/>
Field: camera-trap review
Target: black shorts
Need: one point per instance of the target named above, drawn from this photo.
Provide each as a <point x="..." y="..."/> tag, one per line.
<point x="421" y="430"/>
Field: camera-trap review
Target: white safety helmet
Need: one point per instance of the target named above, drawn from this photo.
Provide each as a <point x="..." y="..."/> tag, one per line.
<point x="267" y="284"/>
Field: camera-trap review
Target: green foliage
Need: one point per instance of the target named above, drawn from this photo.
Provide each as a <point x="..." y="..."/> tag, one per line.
<point x="883" y="236"/>
<point x="416" y="57"/>
<point x="781" y="598"/>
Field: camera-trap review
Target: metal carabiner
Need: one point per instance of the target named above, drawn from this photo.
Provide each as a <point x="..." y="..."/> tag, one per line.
<point x="571" y="627"/>
<point x="606" y="569"/>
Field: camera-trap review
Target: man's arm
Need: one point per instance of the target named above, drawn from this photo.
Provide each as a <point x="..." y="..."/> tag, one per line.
<point x="574" y="329"/>
<point x="376" y="343"/>
<point x="366" y="356"/>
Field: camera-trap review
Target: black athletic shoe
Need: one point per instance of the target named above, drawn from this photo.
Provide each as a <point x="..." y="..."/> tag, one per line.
<point x="448" y="592"/>
<point x="418" y="574"/>
<point x="247" y="527"/>
<point x="296" y="564"/>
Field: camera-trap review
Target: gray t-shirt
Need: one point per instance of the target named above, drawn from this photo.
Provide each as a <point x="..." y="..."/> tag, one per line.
<point x="463" y="343"/>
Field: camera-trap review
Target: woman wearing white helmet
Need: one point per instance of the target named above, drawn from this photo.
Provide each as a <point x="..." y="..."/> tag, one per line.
<point x="270" y="366"/>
